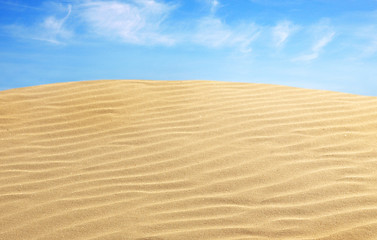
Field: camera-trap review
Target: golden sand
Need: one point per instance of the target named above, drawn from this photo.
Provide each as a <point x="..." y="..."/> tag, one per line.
<point x="186" y="160"/>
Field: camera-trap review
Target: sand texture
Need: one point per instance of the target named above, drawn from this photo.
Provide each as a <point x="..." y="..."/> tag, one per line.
<point x="186" y="160"/>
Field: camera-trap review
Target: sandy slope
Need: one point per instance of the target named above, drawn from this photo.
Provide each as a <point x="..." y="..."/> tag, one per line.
<point x="186" y="160"/>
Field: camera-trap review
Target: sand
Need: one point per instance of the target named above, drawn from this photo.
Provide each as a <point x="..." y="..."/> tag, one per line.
<point x="186" y="160"/>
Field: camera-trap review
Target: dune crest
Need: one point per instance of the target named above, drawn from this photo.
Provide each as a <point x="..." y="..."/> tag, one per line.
<point x="134" y="159"/>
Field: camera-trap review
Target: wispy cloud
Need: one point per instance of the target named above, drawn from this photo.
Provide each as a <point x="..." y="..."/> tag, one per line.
<point x="51" y="29"/>
<point x="324" y="34"/>
<point x="317" y="47"/>
<point x="322" y="42"/>
<point x="136" y="22"/>
<point x="282" y="31"/>
<point x="155" y="22"/>
<point x="213" y="32"/>
<point x="15" y="5"/>
<point x="214" y="5"/>
<point x="211" y="5"/>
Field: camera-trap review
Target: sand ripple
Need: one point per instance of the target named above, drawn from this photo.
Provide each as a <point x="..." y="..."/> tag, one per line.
<point x="186" y="160"/>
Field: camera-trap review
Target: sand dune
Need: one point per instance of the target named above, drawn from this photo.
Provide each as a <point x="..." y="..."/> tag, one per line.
<point x="186" y="160"/>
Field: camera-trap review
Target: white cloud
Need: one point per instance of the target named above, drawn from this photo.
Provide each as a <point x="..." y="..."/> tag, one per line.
<point x="52" y="29"/>
<point x="12" y="4"/>
<point x="282" y="31"/>
<point x="137" y="22"/>
<point x="324" y="35"/>
<point x="214" y="5"/>
<point x="212" y="32"/>
<point x="145" y="22"/>
<point x="322" y="42"/>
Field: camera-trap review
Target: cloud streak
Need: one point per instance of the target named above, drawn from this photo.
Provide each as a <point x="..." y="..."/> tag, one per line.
<point x="51" y="29"/>
<point x="324" y="34"/>
<point x="156" y="22"/>
<point x="214" y="5"/>
<point x="282" y="31"/>
<point x="18" y="5"/>
<point x="317" y="47"/>
<point x="137" y="22"/>
<point x="214" y="33"/>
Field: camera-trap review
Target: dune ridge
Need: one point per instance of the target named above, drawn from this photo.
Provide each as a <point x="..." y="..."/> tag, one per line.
<point x="135" y="159"/>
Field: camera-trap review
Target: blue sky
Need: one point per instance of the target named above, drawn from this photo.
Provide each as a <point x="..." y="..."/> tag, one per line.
<point x="318" y="44"/>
